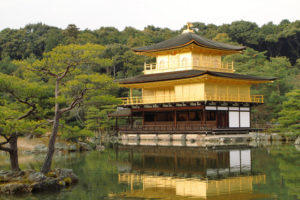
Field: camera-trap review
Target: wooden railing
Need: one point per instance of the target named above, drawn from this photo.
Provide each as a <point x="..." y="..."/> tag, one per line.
<point x="184" y="127"/>
<point x="173" y="99"/>
<point x="188" y="64"/>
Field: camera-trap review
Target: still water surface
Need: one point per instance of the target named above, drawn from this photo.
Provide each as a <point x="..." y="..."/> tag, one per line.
<point x="147" y="172"/>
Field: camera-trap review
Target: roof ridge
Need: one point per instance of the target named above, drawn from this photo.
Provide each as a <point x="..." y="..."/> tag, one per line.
<point x="187" y="38"/>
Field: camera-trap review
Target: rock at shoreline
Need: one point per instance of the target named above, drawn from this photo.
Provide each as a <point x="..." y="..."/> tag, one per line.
<point x="64" y="173"/>
<point x="30" y="181"/>
<point x="61" y="146"/>
<point x="72" y="147"/>
<point x="36" y="177"/>
<point x="50" y="184"/>
<point x="297" y="141"/>
<point x="100" y="148"/>
<point x="15" y="188"/>
<point x="40" y="148"/>
<point x="84" y="146"/>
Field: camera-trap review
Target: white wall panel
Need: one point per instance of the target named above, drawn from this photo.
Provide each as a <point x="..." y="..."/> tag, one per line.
<point x="234" y="119"/>
<point x="245" y="119"/>
<point x="222" y="108"/>
<point x="233" y="108"/>
<point x="245" y="108"/>
<point x="210" y="107"/>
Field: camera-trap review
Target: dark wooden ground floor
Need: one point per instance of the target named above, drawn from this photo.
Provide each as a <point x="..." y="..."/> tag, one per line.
<point x="200" y="119"/>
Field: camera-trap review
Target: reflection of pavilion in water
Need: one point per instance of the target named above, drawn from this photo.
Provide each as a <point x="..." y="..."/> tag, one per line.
<point x="182" y="172"/>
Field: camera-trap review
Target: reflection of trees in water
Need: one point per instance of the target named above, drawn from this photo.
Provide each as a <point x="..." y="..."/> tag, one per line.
<point x="281" y="165"/>
<point x="35" y="161"/>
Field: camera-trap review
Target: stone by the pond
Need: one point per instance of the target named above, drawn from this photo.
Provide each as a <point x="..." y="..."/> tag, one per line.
<point x="40" y="148"/>
<point x="100" y="148"/>
<point x="64" y="173"/>
<point x="61" y="146"/>
<point x="84" y="146"/>
<point x="297" y="141"/>
<point x="32" y="181"/>
<point x="72" y="147"/>
<point x="36" y="177"/>
<point x="50" y="184"/>
<point x="7" y="176"/>
<point x="226" y="140"/>
<point x="15" y="188"/>
<point x="3" y="175"/>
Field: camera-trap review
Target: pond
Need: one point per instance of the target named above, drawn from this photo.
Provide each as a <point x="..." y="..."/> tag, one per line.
<point x="170" y="172"/>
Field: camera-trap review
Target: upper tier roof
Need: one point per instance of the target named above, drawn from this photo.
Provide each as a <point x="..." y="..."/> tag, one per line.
<point x="188" y="74"/>
<point x="185" y="39"/>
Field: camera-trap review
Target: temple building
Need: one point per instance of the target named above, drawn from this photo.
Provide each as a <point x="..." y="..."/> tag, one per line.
<point x="189" y="89"/>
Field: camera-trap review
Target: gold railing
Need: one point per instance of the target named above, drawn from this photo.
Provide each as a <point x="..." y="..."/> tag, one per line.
<point x="188" y="64"/>
<point x="172" y="99"/>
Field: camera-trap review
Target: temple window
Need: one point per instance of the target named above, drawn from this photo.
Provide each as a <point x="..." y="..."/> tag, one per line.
<point x="184" y="62"/>
<point x="162" y="64"/>
<point x="211" y="115"/>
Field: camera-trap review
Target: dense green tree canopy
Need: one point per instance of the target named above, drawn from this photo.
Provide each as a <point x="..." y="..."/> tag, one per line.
<point x="289" y="120"/>
<point x="273" y="50"/>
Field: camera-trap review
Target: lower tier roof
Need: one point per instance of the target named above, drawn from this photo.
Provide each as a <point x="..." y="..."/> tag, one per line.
<point x="167" y="76"/>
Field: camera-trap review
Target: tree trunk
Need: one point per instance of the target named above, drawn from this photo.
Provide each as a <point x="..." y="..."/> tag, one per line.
<point x="13" y="153"/>
<point x="114" y="71"/>
<point x="51" y="147"/>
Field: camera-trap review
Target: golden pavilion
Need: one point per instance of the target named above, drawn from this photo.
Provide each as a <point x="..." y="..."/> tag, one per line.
<point x="189" y="89"/>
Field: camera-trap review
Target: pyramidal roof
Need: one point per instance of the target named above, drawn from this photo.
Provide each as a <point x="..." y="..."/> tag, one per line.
<point x="188" y="38"/>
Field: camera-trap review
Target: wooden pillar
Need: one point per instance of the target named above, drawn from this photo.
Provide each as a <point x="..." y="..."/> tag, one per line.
<point x="128" y="123"/>
<point x="131" y="121"/>
<point x="175" y="118"/>
<point x="204" y="115"/>
<point x="217" y="118"/>
<point x="130" y="92"/>
<point x="143" y="118"/>
<point x="250" y="116"/>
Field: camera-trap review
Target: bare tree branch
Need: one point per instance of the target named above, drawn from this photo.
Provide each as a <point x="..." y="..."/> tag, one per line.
<point x="5" y="149"/>
<point x="64" y="73"/>
<point x="75" y="102"/>
<point x="45" y="71"/>
<point x="6" y="137"/>
<point x="33" y="106"/>
<point x="22" y="101"/>
<point x="3" y="143"/>
<point x="28" y="113"/>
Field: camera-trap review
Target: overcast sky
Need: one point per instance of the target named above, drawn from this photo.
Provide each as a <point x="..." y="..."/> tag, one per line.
<point x="93" y="14"/>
